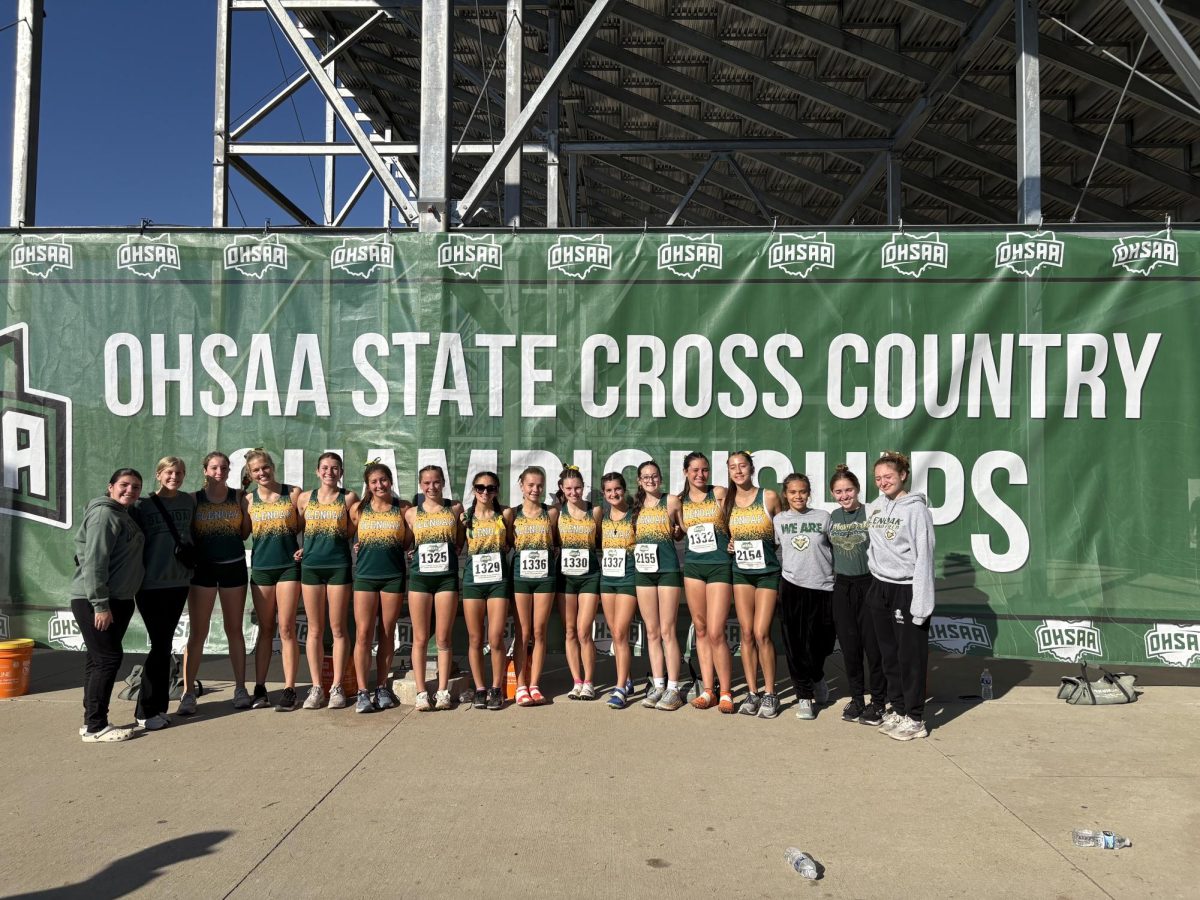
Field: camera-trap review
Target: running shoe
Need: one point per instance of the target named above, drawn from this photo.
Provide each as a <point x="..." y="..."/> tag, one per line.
<point x="442" y="700"/>
<point x="241" y="697"/>
<point x="480" y="700"/>
<point x="890" y="721"/>
<point x="872" y="714"/>
<point x="750" y="705"/>
<point x="907" y="729"/>
<point x="671" y="700"/>
<point x="154" y="723"/>
<point x="725" y="705"/>
<point x="337" y="698"/>
<point x="573" y="694"/>
<point x="704" y="700"/>
<point x="495" y="700"/>
<point x="315" y="698"/>
<point x="821" y="691"/>
<point x="384" y="698"/>
<point x="804" y="710"/>
<point x="852" y="711"/>
<point x="287" y="700"/>
<point x="260" y="699"/>
<point x="616" y="700"/>
<point x="587" y="692"/>
<point x="653" y="695"/>
<point x="422" y="703"/>
<point x="187" y="705"/>
<point x="363" y="703"/>
<point x="109" y="734"/>
<point x="769" y="707"/>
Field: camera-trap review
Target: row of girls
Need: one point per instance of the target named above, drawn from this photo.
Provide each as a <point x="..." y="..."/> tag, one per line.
<point x="865" y="576"/>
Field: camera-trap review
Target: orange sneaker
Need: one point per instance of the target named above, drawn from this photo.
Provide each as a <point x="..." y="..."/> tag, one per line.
<point x="705" y="700"/>
<point x="726" y="705"/>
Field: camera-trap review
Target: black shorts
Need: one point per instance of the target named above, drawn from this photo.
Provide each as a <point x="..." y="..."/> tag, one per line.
<point x="221" y="575"/>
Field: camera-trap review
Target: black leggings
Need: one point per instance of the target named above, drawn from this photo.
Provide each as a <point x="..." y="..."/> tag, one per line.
<point x="160" y="609"/>
<point x="103" y="659"/>
<point x="903" y="645"/>
<point x="806" y="621"/>
<point x="856" y="634"/>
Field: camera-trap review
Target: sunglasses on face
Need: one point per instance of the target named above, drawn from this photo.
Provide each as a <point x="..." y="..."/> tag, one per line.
<point x="486" y="488"/>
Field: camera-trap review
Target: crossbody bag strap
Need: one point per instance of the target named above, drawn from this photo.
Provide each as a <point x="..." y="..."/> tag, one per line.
<point x="162" y="510"/>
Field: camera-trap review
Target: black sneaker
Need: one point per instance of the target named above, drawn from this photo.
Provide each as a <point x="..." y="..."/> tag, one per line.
<point x="260" y="700"/>
<point x="852" y="712"/>
<point x="480" y="698"/>
<point x="494" y="698"/>
<point x="872" y="714"/>
<point x="287" y="700"/>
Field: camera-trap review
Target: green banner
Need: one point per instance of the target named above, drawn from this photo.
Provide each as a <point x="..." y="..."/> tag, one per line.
<point x="1043" y="383"/>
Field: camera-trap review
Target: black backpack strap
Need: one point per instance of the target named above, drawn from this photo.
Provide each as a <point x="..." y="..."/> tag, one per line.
<point x="1115" y="680"/>
<point x="162" y="511"/>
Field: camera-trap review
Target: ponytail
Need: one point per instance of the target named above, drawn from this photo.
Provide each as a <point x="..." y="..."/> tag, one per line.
<point x="842" y="472"/>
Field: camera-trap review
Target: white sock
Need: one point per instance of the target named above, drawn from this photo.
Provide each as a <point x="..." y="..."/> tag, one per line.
<point x="672" y="685"/>
<point x="660" y="683"/>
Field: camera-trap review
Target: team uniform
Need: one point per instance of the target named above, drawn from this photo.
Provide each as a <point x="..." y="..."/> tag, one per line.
<point x="654" y="555"/>
<point x="533" y="553"/>
<point x="217" y="534"/>
<point x="755" y="560"/>
<point x="273" y="527"/>
<point x="849" y="535"/>
<point x="579" y="568"/>
<point x="435" y="554"/>
<point x="380" y="563"/>
<point x="707" y="556"/>
<point x="616" y="557"/>
<point x="486" y="572"/>
<point x="326" y="557"/>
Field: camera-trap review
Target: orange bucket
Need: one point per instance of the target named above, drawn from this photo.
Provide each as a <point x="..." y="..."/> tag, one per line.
<point x="349" y="677"/>
<point x="510" y="681"/>
<point x="16" y="657"/>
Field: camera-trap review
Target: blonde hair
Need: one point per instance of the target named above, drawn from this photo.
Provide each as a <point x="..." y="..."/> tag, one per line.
<point x="169" y="462"/>
<point x="251" y="455"/>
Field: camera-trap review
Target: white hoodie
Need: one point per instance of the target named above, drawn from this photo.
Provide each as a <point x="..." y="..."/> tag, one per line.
<point x="901" y="548"/>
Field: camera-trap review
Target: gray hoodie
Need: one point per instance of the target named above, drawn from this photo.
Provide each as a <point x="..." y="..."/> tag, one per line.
<point x="901" y="548"/>
<point x="108" y="547"/>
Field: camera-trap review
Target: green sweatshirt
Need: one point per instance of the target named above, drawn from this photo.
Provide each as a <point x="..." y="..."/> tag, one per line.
<point x="108" y="546"/>
<point x="162" y="570"/>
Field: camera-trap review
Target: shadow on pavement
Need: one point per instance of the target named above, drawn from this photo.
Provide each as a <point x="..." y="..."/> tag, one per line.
<point x="127" y="874"/>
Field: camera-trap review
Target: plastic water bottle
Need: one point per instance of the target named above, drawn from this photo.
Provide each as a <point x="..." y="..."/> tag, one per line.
<point x="1105" y="840"/>
<point x="985" y="685"/>
<point x="801" y="862"/>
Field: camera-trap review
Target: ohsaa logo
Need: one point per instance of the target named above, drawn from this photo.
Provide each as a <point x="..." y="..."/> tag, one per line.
<point x="468" y="256"/>
<point x="575" y="256"/>
<point x="1176" y="645"/>
<point x="404" y="635"/>
<point x="733" y="636"/>
<point x="5" y="633"/>
<point x="179" y="640"/>
<point x="147" y="256"/>
<point x="1141" y="253"/>
<point x="958" y="634"/>
<point x="602" y="636"/>
<point x="799" y="254"/>
<point x="510" y="636"/>
<point x="1068" y="640"/>
<point x="362" y="256"/>
<point x="685" y="256"/>
<point x="35" y="440"/>
<point x="255" y="256"/>
<point x="1026" y="253"/>
<point x="64" y="632"/>
<point x="39" y="256"/>
<point x="912" y="254"/>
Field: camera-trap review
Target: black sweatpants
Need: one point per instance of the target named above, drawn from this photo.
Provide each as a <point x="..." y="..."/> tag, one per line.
<point x="856" y="633"/>
<point x="806" y="620"/>
<point x="160" y="609"/>
<point x="103" y="658"/>
<point x="903" y="646"/>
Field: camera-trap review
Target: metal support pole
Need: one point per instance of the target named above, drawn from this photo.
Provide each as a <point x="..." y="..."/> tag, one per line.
<point x="434" y="173"/>
<point x="687" y="197"/>
<point x="573" y="191"/>
<point x="553" y="171"/>
<point x="220" y="210"/>
<point x="514" y="67"/>
<point x="894" y="209"/>
<point x="1173" y="45"/>
<point x="1029" y="143"/>
<point x="27" y="101"/>
<point x="330" y="194"/>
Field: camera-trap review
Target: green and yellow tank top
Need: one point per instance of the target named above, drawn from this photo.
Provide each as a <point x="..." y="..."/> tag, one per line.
<point x="707" y="533"/>
<point x="532" y="545"/>
<point x="655" y="550"/>
<point x="617" y="541"/>
<point x="578" y="539"/>
<point x="753" y="537"/>
<point x="326" y="532"/>
<point x="217" y="528"/>
<point x="434" y="534"/>
<point x="380" y="543"/>
<point x="485" y="562"/>
<point x="273" y="527"/>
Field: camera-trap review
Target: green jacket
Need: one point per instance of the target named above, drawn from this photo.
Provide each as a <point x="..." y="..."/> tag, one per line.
<point x="108" y="553"/>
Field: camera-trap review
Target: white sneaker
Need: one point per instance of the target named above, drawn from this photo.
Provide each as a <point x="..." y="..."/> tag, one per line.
<point x="337" y="698"/>
<point x="109" y="734"/>
<point x="315" y="698"/>
<point x="890" y="721"/>
<point x="187" y="705"/>
<point x="443" y="700"/>
<point x="241" y="697"/>
<point x="804" y="709"/>
<point x="821" y="691"/>
<point x="154" y="723"/>
<point x="422" y="704"/>
<point x="908" y="729"/>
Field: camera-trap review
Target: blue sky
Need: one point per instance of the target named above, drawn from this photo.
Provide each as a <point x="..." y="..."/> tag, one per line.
<point x="127" y="108"/>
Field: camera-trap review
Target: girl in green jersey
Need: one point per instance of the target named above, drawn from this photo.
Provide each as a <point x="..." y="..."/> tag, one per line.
<point x="534" y="528"/>
<point x="578" y="579"/>
<point x="486" y="586"/>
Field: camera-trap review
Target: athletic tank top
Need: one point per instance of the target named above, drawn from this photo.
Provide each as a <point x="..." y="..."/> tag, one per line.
<point x="533" y="544"/>
<point x="617" y="534"/>
<point x="326" y="526"/>
<point x="707" y="535"/>
<point x="485" y="542"/>
<point x="578" y="539"/>
<point x="273" y="526"/>
<point x="654" y="528"/>
<point x="380" y="543"/>
<point x="217" y="528"/>
<point x="433" y="535"/>
<point x="753" y="537"/>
